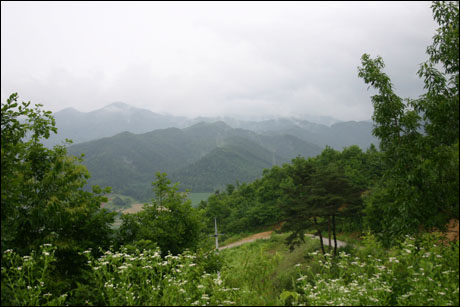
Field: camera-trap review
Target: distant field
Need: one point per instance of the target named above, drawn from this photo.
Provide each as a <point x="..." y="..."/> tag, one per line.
<point x="133" y="209"/>
<point x="111" y="206"/>
<point x="197" y="197"/>
<point x="134" y="206"/>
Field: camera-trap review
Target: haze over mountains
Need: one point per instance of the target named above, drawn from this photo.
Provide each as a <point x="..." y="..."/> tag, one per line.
<point x="119" y="117"/>
<point x="125" y="146"/>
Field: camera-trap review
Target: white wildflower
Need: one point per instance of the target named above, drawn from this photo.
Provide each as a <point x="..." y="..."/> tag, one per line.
<point x="205" y="297"/>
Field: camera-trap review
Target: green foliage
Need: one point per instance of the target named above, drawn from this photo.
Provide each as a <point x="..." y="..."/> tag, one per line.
<point x="419" y="139"/>
<point x="250" y="268"/>
<point x="264" y="269"/>
<point x="124" y="278"/>
<point x="420" y="272"/>
<point x="169" y="222"/>
<point x="417" y="273"/>
<point x="144" y="278"/>
<point x="26" y="280"/>
<point x="315" y="189"/>
<point x="265" y="201"/>
<point x="42" y="199"/>
<point x="246" y="207"/>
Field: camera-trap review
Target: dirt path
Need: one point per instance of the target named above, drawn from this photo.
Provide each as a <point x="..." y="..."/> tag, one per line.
<point x="267" y="234"/>
<point x="260" y="235"/>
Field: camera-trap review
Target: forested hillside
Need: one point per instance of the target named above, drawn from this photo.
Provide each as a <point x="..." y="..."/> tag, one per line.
<point x="204" y="157"/>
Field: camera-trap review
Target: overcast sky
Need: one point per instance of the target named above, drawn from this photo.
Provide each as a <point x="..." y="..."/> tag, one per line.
<point x="205" y="58"/>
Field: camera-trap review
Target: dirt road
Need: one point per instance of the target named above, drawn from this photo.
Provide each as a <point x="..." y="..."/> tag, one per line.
<point x="267" y="234"/>
<point x="260" y="235"/>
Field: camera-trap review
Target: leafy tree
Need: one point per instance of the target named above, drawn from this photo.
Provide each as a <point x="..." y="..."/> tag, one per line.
<point x="315" y="196"/>
<point x="297" y="211"/>
<point x="42" y="200"/>
<point x="333" y="195"/>
<point x="169" y="221"/>
<point x="419" y="138"/>
<point x="216" y="206"/>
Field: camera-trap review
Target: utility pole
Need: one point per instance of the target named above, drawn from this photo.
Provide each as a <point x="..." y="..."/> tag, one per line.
<point x="216" y="235"/>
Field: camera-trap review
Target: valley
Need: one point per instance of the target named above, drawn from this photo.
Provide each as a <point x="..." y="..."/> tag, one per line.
<point x="274" y="203"/>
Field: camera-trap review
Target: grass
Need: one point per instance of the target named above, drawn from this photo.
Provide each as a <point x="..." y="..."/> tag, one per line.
<point x="197" y="197"/>
<point x="109" y="205"/>
<point x="265" y="268"/>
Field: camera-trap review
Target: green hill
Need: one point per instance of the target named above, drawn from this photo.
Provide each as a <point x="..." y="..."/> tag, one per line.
<point x="202" y="157"/>
<point x="238" y="160"/>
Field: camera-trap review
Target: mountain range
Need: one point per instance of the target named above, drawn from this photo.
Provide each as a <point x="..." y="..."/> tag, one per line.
<point x="119" y="117"/>
<point x="125" y="146"/>
<point x="203" y="157"/>
<point x="108" y="121"/>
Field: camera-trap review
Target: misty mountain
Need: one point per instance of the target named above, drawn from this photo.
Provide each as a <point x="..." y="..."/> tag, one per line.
<point x="202" y="157"/>
<point x="337" y="136"/>
<point x="108" y="121"/>
<point x="119" y="117"/>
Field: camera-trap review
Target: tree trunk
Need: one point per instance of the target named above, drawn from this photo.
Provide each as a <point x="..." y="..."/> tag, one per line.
<point x="320" y="235"/>
<point x="329" y="231"/>
<point x="335" y="238"/>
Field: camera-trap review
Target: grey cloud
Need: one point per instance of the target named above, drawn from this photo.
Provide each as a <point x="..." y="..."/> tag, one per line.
<point x="211" y="58"/>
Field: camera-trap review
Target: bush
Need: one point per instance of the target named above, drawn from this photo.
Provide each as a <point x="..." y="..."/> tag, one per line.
<point x="418" y="272"/>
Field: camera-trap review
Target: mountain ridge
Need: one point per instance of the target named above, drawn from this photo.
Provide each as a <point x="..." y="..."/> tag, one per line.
<point x="135" y="158"/>
<point x="118" y="117"/>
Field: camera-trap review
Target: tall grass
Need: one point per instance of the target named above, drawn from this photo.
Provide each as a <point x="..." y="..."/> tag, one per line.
<point x="421" y="271"/>
<point x="263" y="268"/>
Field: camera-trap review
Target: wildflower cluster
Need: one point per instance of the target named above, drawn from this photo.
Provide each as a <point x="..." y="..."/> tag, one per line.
<point x="25" y="279"/>
<point x="145" y="278"/>
<point x="117" y="279"/>
<point x="414" y="274"/>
